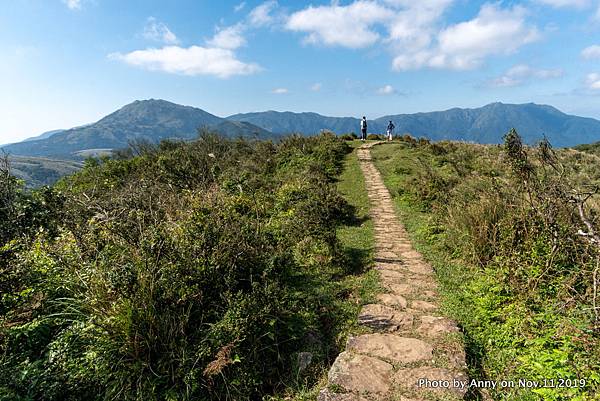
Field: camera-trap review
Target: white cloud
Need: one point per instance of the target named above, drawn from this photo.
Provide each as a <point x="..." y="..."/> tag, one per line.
<point x="592" y="81"/>
<point x="465" y="45"/>
<point x="192" y="61"/>
<point x="565" y="3"/>
<point x="232" y="37"/>
<point x="228" y="38"/>
<point x="347" y="26"/>
<point x="261" y="15"/>
<point x="386" y="90"/>
<point x="521" y="73"/>
<point x="493" y="31"/>
<point x="280" y="91"/>
<point x="415" y="24"/>
<point x="412" y="31"/>
<point x="159" y="32"/>
<point x="591" y="52"/>
<point x="239" y="7"/>
<point x="73" y="4"/>
<point x="216" y="58"/>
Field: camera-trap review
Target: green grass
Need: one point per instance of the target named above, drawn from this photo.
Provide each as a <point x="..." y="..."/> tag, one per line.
<point x="357" y="240"/>
<point x="357" y="237"/>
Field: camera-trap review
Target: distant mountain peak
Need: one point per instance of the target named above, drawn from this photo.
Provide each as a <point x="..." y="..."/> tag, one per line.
<point x="151" y="119"/>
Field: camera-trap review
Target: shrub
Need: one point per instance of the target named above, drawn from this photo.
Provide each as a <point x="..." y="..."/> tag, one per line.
<point x="407" y="138"/>
<point x="189" y="271"/>
<point x="349" y="137"/>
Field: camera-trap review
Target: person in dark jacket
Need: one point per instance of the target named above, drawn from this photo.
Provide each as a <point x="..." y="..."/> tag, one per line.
<point x="390" y="131"/>
<point x="363" y="128"/>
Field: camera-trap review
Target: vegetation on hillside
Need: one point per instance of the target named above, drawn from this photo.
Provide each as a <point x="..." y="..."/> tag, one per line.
<point x="591" y="148"/>
<point x="208" y="270"/>
<point x="39" y="171"/>
<point x="512" y="233"/>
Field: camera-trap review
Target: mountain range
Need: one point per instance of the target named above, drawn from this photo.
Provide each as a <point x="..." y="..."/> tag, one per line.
<point x="148" y="120"/>
<point x="153" y="120"/>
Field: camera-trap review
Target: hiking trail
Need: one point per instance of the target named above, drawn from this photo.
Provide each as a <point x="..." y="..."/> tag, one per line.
<point x="411" y="351"/>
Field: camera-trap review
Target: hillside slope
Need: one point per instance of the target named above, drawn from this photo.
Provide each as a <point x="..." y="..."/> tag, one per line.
<point x="148" y="120"/>
<point x="173" y="274"/>
<point x="39" y="171"/>
<point x="303" y="123"/>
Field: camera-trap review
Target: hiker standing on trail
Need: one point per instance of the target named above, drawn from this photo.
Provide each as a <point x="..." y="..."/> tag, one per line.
<point x="363" y="128"/>
<point x="390" y="130"/>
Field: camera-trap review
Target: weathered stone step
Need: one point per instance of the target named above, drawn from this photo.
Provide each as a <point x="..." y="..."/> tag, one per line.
<point x="391" y="347"/>
<point x="385" y="318"/>
<point x="361" y="373"/>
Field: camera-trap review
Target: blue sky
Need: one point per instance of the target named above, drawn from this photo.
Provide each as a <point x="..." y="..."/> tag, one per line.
<point x="70" y="62"/>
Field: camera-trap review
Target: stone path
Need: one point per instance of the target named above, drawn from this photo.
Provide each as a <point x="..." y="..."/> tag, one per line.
<point x="411" y="352"/>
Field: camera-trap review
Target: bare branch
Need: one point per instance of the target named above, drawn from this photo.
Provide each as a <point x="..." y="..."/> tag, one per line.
<point x="591" y="234"/>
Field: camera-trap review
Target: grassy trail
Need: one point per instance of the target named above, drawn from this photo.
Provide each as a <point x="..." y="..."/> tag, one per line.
<point x="357" y="237"/>
<point x="361" y="284"/>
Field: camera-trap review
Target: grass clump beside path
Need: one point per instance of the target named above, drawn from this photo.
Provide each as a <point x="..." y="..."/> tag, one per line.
<point x="361" y="284"/>
<point x="356" y="236"/>
<point x="500" y="227"/>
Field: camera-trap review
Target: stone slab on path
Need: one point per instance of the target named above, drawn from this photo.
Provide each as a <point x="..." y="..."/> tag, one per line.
<point x="393" y="300"/>
<point x="381" y="317"/>
<point x="423" y="305"/>
<point x="432" y="326"/>
<point x="361" y="373"/>
<point x="391" y="347"/>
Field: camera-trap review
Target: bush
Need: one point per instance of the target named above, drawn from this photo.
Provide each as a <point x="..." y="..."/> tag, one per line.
<point x="187" y="272"/>
<point x="349" y="137"/>
<point x="374" y="137"/>
<point x="407" y="138"/>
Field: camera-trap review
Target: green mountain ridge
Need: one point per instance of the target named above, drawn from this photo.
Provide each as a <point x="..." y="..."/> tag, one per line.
<point x="154" y="120"/>
<point x="147" y="120"/>
<point x="486" y="124"/>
